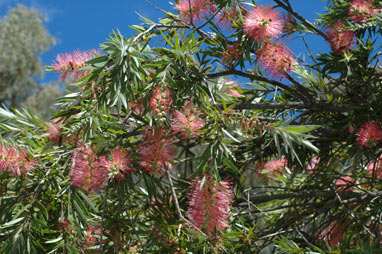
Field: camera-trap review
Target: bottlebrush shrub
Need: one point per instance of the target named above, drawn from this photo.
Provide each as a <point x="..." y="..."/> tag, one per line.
<point x="136" y="160"/>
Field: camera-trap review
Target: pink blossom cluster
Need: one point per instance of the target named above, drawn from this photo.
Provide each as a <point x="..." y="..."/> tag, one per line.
<point x="276" y="59"/>
<point x="187" y="122"/>
<point x="375" y="168"/>
<point x="55" y="133"/>
<point x="334" y="233"/>
<point x="290" y="24"/>
<point x="232" y="54"/>
<point x="85" y="171"/>
<point x="92" y="239"/>
<point x="156" y="151"/>
<point x="137" y="107"/>
<point x="276" y="167"/>
<point x="340" y="39"/>
<point x="361" y="10"/>
<point x="71" y="63"/>
<point x="15" y="162"/>
<point x="89" y="171"/>
<point x="228" y="16"/>
<point x="370" y="134"/>
<point x="262" y="23"/>
<point x="209" y="205"/>
<point x="230" y="89"/>
<point x="195" y="10"/>
<point x="344" y="183"/>
<point x="312" y="165"/>
<point x="160" y="101"/>
<point x="118" y="165"/>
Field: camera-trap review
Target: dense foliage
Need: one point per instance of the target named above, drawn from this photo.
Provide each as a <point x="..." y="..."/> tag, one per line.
<point x="204" y="133"/>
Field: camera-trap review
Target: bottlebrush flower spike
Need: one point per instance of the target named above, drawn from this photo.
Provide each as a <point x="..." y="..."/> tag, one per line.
<point x="227" y="16"/>
<point x="340" y="40"/>
<point x="232" y="54"/>
<point x="276" y="166"/>
<point x="195" y="9"/>
<point x="119" y="164"/>
<point x="290" y="24"/>
<point x="54" y="131"/>
<point x="370" y="134"/>
<point x="156" y="151"/>
<point x="262" y="23"/>
<point x="275" y="59"/>
<point x="334" y="233"/>
<point x="14" y="162"/>
<point x="345" y="183"/>
<point x="230" y="89"/>
<point x="375" y="168"/>
<point x="209" y="205"/>
<point x="86" y="172"/>
<point x="187" y="122"/>
<point x="360" y="10"/>
<point x="312" y="165"/>
<point x="161" y="102"/>
<point x="71" y="63"/>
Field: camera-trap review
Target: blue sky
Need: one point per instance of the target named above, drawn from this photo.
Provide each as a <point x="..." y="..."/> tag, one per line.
<point x="85" y="24"/>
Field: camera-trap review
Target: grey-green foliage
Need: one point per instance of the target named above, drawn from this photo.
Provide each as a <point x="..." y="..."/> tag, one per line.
<point x="41" y="102"/>
<point x="22" y="39"/>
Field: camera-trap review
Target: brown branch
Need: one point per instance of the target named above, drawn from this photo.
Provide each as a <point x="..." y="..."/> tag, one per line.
<point x="258" y="199"/>
<point x="258" y="78"/>
<point x="293" y="105"/>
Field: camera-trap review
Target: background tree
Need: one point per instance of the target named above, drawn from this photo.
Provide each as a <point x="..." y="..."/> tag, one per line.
<point x="22" y="39"/>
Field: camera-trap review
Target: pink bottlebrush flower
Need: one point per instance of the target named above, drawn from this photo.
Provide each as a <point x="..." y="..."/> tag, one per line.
<point x="187" y="122"/>
<point x="54" y="131"/>
<point x="64" y="225"/>
<point x="276" y="167"/>
<point x="232" y="54"/>
<point x="118" y="165"/>
<point x="71" y="63"/>
<point x="227" y="16"/>
<point x="160" y="101"/>
<point x="275" y="59"/>
<point x="334" y="233"/>
<point x="262" y="23"/>
<point x="312" y="165"/>
<point x="370" y="134"/>
<point x="231" y="90"/>
<point x="209" y="205"/>
<point x="86" y="172"/>
<point x="290" y="24"/>
<point x="137" y="107"/>
<point x="92" y="238"/>
<point x="196" y="11"/>
<point x="345" y="183"/>
<point x="360" y="10"/>
<point x="156" y="151"/>
<point x="340" y="40"/>
<point x="375" y="168"/>
<point x="14" y="162"/>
